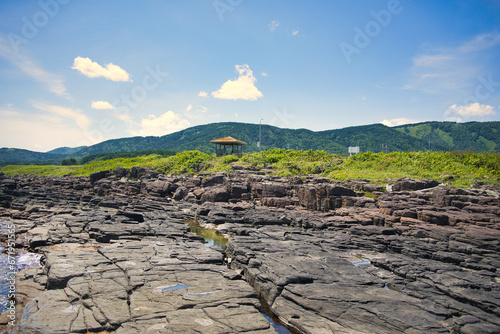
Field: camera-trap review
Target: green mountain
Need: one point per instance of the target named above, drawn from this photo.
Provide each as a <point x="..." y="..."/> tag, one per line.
<point x="476" y="136"/>
<point x="19" y="155"/>
<point x="368" y="137"/>
<point x="443" y="136"/>
<point x="66" y="150"/>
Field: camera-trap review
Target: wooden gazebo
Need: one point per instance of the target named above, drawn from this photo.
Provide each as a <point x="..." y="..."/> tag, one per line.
<point x="228" y="145"/>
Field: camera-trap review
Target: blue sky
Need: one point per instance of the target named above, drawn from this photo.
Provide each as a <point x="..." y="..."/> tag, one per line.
<point x="78" y="72"/>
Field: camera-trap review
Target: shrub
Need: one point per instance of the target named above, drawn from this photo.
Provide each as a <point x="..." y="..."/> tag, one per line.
<point x="69" y="162"/>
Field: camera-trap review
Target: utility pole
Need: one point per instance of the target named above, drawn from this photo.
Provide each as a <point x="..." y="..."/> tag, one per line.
<point x="260" y="135"/>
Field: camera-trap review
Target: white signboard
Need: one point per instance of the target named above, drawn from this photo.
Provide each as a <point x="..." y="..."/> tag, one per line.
<point x="353" y="149"/>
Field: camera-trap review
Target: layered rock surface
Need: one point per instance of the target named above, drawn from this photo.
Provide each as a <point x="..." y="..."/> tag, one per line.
<point x="324" y="257"/>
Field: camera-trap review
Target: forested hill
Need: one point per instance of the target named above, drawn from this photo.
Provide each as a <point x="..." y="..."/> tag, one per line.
<point x="476" y="136"/>
<point x="442" y="136"/>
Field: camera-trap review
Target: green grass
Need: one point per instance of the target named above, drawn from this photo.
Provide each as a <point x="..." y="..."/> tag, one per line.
<point x="465" y="167"/>
<point x="38" y="170"/>
<point x="83" y="170"/>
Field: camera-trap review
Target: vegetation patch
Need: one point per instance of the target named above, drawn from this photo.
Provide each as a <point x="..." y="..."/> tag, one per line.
<point x="459" y="169"/>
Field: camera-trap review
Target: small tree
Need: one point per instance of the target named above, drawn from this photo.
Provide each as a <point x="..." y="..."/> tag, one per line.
<point x="69" y="162"/>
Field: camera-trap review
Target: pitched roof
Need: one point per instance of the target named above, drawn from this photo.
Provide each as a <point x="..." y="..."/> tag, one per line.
<point x="228" y="141"/>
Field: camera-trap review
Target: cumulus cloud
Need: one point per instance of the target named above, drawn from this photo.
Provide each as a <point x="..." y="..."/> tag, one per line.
<point x="473" y="110"/>
<point x="164" y="124"/>
<point x="92" y="69"/>
<point x="102" y="105"/>
<point x="398" y="121"/>
<point x="203" y="94"/>
<point x="53" y="82"/>
<point x="59" y="113"/>
<point x="189" y="107"/>
<point x="242" y="88"/>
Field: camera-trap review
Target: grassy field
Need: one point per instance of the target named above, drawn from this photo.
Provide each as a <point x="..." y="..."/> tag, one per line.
<point x="466" y="168"/>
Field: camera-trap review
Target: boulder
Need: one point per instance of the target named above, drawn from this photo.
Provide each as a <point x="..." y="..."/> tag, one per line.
<point x="215" y="194"/>
<point x="94" y="177"/>
<point x="267" y="189"/>
<point x="159" y="188"/>
<point x="212" y="180"/>
<point x="407" y="183"/>
<point x="180" y="193"/>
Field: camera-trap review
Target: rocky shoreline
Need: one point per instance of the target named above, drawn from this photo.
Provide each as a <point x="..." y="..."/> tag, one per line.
<point x="326" y="256"/>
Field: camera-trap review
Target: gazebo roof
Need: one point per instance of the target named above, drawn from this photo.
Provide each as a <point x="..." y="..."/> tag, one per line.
<point x="228" y="141"/>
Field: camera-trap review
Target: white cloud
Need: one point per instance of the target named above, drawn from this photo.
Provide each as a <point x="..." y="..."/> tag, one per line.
<point x="264" y="74"/>
<point x="40" y="134"/>
<point x="195" y="112"/>
<point x="51" y="127"/>
<point x="92" y="69"/>
<point x="8" y="113"/>
<point x="125" y="117"/>
<point x="75" y="115"/>
<point x="363" y="98"/>
<point x="236" y="115"/>
<point x="398" y="121"/>
<point x="445" y="69"/>
<point x="203" y="94"/>
<point x="102" y="105"/>
<point x="480" y="42"/>
<point x="159" y="126"/>
<point x="295" y="32"/>
<point x="53" y="82"/>
<point x="242" y="88"/>
<point x="473" y="110"/>
<point x="273" y="25"/>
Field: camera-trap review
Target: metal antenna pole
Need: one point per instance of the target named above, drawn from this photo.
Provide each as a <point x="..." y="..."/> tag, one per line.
<point x="260" y="135"/>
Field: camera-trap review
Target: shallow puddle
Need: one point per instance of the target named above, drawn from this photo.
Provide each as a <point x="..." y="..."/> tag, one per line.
<point x="199" y="294"/>
<point x="212" y="238"/>
<point x="178" y="286"/>
<point x="278" y="328"/>
<point x="357" y="264"/>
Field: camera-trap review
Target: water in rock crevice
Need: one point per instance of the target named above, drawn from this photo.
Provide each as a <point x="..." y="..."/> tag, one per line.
<point x="212" y="238"/>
